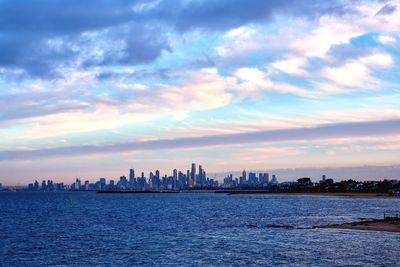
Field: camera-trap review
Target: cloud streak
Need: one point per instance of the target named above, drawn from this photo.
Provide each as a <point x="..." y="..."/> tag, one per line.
<point x="340" y="130"/>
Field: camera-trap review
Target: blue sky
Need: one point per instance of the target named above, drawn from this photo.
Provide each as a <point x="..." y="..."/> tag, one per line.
<point x="92" y="88"/>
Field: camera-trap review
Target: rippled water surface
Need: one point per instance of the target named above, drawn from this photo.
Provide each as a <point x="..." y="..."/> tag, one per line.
<point x="186" y="229"/>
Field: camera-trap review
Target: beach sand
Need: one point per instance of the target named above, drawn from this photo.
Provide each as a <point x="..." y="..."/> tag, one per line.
<point x="372" y="225"/>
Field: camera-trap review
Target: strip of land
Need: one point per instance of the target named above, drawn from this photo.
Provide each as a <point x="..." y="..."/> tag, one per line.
<point x="134" y="192"/>
<point x="352" y="195"/>
<point x="344" y="194"/>
<point x="387" y="225"/>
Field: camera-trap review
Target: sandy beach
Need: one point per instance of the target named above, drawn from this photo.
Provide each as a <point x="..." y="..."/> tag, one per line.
<point x="372" y="225"/>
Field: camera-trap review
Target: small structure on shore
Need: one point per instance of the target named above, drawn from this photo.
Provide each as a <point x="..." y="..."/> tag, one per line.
<point x="391" y="216"/>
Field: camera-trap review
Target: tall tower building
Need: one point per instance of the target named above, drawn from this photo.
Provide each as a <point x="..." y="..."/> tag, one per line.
<point x="188" y="178"/>
<point x="274" y="180"/>
<point x="266" y="177"/>
<point x="132" y="178"/>
<point x="200" y="175"/>
<point x="244" y="177"/>
<point x="36" y="185"/>
<point x="175" y="179"/>
<point x="78" y="184"/>
<point x="192" y="175"/>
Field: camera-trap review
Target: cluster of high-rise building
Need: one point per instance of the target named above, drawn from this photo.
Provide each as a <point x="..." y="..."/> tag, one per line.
<point x="194" y="178"/>
<point x="47" y="186"/>
<point x="250" y="180"/>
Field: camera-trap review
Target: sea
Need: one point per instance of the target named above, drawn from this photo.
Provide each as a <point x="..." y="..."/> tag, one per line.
<point x="191" y="229"/>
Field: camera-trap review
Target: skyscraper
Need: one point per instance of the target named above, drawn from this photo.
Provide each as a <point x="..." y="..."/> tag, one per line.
<point x="192" y="175"/>
<point x="123" y="182"/>
<point x="102" y="183"/>
<point x="252" y="178"/>
<point x="132" y="179"/>
<point x="244" y="177"/>
<point x="266" y="178"/>
<point x="87" y="185"/>
<point x="175" y="178"/>
<point x="43" y="185"/>
<point x="77" y="184"/>
<point x="200" y="176"/>
<point x="142" y="182"/>
<point x="181" y="179"/>
<point x="189" y="181"/>
<point x="36" y="185"/>
<point x="274" y="180"/>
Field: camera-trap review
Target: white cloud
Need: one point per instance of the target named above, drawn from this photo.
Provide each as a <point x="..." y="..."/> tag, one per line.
<point x="357" y="72"/>
<point x="377" y="60"/>
<point x="122" y="103"/>
<point x="253" y="79"/>
<point x="146" y="6"/>
<point x="387" y="40"/>
<point x="292" y="65"/>
<point x="331" y="30"/>
<point x="201" y="90"/>
<point x="240" y="42"/>
<point x="350" y="74"/>
<point x="338" y="30"/>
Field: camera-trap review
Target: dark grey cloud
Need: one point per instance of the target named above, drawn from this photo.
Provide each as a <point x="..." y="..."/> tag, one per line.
<point x="33" y="54"/>
<point x="141" y="44"/>
<point x="348" y="130"/>
<point x="386" y="10"/>
<point x="137" y="76"/>
<point x="225" y="14"/>
<point x="26" y="27"/>
<point x="54" y="17"/>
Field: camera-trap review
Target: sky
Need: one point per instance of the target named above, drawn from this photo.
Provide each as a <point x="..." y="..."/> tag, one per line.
<point x="93" y="88"/>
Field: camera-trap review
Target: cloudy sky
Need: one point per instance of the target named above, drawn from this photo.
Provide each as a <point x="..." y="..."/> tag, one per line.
<point x="92" y="88"/>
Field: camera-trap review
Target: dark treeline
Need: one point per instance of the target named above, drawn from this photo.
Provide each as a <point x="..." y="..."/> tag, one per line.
<point x="306" y="185"/>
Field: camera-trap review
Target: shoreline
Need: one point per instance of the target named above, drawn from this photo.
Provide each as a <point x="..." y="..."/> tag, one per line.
<point x="344" y="194"/>
<point x="382" y="225"/>
<point x="350" y="195"/>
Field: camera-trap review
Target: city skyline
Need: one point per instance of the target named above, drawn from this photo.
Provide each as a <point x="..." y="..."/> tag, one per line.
<point x="226" y="83"/>
<point x="361" y="173"/>
<point x="195" y="179"/>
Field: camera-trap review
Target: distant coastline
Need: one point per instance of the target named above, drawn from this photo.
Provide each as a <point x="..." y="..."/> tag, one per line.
<point x="335" y="194"/>
<point x="385" y="225"/>
<point x="255" y="192"/>
<point x="135" y="192"/>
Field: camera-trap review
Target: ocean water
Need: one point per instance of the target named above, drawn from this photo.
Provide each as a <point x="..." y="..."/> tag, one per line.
<point x="190" y="229"/>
